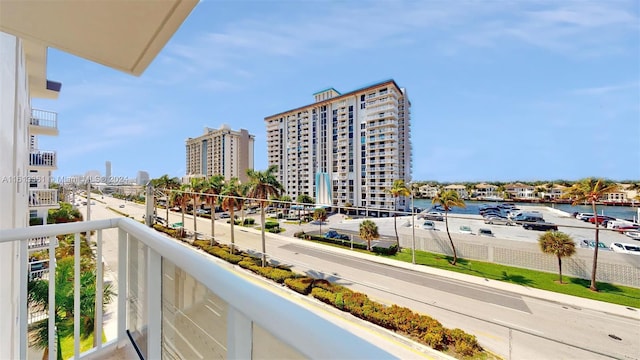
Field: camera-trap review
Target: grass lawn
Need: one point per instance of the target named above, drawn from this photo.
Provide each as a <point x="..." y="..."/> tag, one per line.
<point x="616" y="294"/>
<point x="85" y="344"/>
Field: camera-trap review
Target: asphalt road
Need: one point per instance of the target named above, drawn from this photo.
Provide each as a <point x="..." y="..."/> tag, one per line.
<point x="509" y="324"/>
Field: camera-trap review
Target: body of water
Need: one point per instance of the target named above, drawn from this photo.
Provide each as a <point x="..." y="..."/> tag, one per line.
<point x="619" y="212"/>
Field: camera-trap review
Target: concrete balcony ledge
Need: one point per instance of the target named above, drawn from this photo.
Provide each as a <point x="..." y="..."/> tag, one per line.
<point x="43" y="122"/>
<point x="47" y="198"/>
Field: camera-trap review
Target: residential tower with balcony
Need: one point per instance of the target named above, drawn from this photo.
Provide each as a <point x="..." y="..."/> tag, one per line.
<point x="360" y="138"/>
<point x="220" y="151"/>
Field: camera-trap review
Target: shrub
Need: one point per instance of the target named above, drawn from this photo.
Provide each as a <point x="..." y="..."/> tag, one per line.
<point x="323" y="295"/>
<point x="385" y="251"/>
<point x="302" y="285"/>
<point x="465" y="344"/>
<point x="249" y="221"/>
<point x="36" y="221"/>
<point x="271" y="224"/>
<point x="201" y="243"/>
<point x="298" y="234"/>
<point x="339" y="301"/>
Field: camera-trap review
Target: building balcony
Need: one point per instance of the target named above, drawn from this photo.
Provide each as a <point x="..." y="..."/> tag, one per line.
<point x="42" y="159"/>
<point x="43" y="122"/>
<point x="174" y="302"/>
<point x="43" y="198"/>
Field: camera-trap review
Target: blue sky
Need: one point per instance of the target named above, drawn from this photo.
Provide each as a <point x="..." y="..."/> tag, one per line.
<point x="500" y="90"/>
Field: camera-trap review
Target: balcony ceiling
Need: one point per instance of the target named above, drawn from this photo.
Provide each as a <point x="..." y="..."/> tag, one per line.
<point x="124" y="35"/>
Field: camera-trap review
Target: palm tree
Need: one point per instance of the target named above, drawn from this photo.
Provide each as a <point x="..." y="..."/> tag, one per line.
<point x="181" y="198"/>
<point x="447" y="200"/>
<point x="368" y="231"/>
<point x="399" y="188"/>
<point x="166" y="184"/>
<point x="195" y="187"/>
<point x="38" y="296"/>
<point x="558" y="244"/>
<point x="212" y="188"/>
<point x="590" y="190"/>
<point x="231" y="201"/>
<point x="320" y="215"/>
<point x="262" y="185"/>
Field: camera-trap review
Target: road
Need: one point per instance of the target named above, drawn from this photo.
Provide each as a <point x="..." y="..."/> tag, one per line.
<point x="507" y="323"/>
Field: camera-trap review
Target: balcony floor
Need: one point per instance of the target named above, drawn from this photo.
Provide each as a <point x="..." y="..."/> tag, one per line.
<point x="126" y="352"/>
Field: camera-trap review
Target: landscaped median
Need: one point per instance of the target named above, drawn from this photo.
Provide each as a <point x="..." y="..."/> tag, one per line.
<point x="418" y="327"/>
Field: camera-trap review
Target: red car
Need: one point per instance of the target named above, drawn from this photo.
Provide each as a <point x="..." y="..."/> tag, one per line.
<point x="622" y="229"/>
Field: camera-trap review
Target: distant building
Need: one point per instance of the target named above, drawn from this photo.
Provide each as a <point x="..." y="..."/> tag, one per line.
<point x="428" y="191"/>
<point x="460" y="189"/>
<point x="361" y="139"/>
<point x="142" y="178"/>
<point x="520" y="191"/>
<point x="486" y="191"/>
<point x="107" y="170"/>
<point x="223" y="152"/>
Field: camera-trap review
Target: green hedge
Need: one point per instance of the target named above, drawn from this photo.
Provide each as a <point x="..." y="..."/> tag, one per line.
<point x="271" y="224"/>
<point x="302" y="285"/>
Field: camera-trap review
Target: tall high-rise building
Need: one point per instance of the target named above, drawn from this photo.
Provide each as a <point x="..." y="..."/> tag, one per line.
<point x="220" y="152"/>
<point x="361" y="139"/>
<point x="142" y="178"/>
<point x="107" y="170"/>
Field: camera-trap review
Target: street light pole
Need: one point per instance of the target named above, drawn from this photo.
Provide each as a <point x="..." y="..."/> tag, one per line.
<point x="413" y="230"/>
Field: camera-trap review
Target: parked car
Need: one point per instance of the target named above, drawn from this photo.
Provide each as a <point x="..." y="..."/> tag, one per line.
<point x="625" y="248"/>
<point x="429" y="225"/>
<point x="225" y="216"/>
<point x="203" y="211"/>
<point x="498" y="220"/>
<point x="464" y="229"/>
<point x="591" y="244"/>
<point x="332" y="234"/>
<point x="485" y="232"/>
<point x="584" y="216"/>
<point x="540" y="226"/>
<point x="121" y="206"/>
<point x="635" y="235"/>
<point x="528" y="217"/>
<point x="434" y="215"/>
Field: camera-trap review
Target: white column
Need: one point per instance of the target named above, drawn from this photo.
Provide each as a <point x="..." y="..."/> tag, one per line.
<point x="154" y="304"/>
<point x="122" y="287"/>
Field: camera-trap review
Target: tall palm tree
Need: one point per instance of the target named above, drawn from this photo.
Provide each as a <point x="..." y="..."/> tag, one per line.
<point x="368" y="231"/>
<point x="195" y="187"/>
<point x="262" y="186"/>
<point x="399" y="188"/>
<point x="558" y="244"/>
<point x="166" y="184"/>
<point x="449" y="199"/>
<point x="230" y="202"/>
<point x="181" y="198"/>
<point x="590" y="190"/>
<point x="212" y="188"/>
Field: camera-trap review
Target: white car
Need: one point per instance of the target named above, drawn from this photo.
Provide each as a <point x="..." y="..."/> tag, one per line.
<point x="635" y="235"/>
<point x="464" y="229"/>
<point x="625" y="248"/>
<point x="583" y="216"/>
<point x="429" y="225"/>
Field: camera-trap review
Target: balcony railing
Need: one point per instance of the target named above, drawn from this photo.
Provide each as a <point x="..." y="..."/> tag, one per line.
<point x="174" y="301"/>
<point x="43" y="198"/>
<point x="43" y="159"/>
<point x="43" y="122"/>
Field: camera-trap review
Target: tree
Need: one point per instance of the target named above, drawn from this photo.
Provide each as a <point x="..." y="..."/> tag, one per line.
<point x="590" y="190"/>
<point x="449" y="199"/>
<point x="320" y="215"/>
<point x="399" y="188"/>
<point x="305" y="199"/>
<point x="195" y="187"/>
<point x="368" y="232"/>
<point x="166" y="184"/>
<point x="212" y="187"/>
<point x="558" y="244"/>
<point x="262" y="185"/>
<point x="181" y="198"/>
<point x="38" y="296"/>
<point x="230" y="202"/>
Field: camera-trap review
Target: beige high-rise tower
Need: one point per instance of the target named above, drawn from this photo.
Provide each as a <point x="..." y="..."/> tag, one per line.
<point x="220" y="152"/>
<point x="361" y="139"/>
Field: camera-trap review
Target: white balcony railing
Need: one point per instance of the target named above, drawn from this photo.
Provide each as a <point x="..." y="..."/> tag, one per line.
<point x="180" y="302"/>
<point x="43" y="159"/>
<point x="43" y="198"/>
<point x="43" y="122"/>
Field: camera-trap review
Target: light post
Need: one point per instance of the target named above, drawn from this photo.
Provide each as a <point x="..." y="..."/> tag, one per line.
<point x="413" y="231"/>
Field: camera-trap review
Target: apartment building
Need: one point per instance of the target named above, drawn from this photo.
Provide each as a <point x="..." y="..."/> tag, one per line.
<point x="220" y="151"/>
<point x="361" y="139"/>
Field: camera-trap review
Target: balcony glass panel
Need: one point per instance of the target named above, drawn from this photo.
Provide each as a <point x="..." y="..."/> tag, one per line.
<point x="137" y="319"/>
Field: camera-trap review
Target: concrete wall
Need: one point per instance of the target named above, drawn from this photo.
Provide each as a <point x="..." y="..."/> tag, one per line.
<point x="14" y="145"/>
<point x="615" y="268"/>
